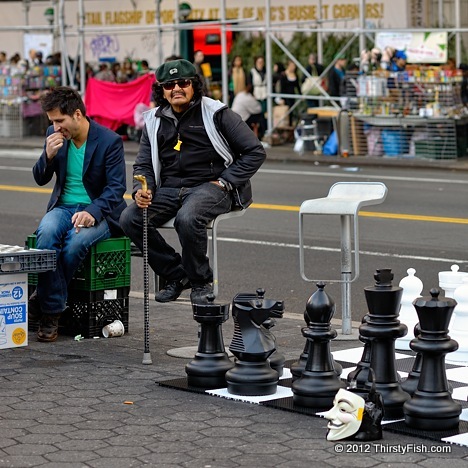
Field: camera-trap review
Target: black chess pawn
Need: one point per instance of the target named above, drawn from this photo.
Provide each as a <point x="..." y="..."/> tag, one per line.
<point x="318" y="384"/>
<point x="361" y="374"/>
<point x="382" y="328"/>
<point x="211" y="362"/>
<point x="298" y="367"/>
<point x="253" y="344"/>
<point x="432" y="406"/>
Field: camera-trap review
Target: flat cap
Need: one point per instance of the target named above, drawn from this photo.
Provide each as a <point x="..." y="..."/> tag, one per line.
<point x="175" y="70"/>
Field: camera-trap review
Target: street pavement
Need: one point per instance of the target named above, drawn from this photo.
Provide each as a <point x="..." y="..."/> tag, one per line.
<point x="92" y="403"/>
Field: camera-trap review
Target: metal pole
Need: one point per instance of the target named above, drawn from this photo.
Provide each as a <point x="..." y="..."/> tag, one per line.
<point x="362" y="25"/>
<point x="441" y="14"/>
<point x="268" y="65"/>
<point x="458" y="46"/>
<point x="158" y="32"/>
<point x="82" y="50"/>
<point x="224" y="63"/>
<point x="319" y="35"/>
<point x="346" y="269"/>
<point x="176" y="46"/>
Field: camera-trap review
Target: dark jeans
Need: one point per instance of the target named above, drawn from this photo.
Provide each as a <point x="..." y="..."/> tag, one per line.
<point x="56" y="232"/>
<point x="193" y="208"/>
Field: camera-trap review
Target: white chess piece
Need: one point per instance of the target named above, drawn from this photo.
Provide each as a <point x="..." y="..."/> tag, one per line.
<point x="412" y="289"/>
<point x="459" y="325"/>
<point x="449" y="281"/>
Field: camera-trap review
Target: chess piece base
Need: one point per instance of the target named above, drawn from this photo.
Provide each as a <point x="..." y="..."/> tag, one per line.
<point x="252" y="379"/>
<point x="316" y="389"/>
<point x="208" y="370"/>
<point x="432" y="411"/>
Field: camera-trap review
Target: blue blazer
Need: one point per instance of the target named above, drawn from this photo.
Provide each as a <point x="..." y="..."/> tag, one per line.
<point x="104" y="175"/>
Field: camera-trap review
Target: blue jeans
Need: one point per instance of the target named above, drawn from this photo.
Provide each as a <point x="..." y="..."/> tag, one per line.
<point x="56" y="232"/>
<point x="193" y="208"/>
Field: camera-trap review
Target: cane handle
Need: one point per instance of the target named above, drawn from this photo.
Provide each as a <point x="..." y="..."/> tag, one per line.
<point x="142" y="179"/>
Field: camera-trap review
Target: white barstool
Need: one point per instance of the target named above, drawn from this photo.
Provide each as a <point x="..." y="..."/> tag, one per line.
<point x="344" y="199"/>
<point x="213" y="254"/>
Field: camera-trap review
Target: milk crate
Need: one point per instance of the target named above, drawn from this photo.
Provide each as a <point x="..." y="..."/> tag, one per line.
<point x="89" y="311"/>
<point x="14" y="259"/>
<point x="107" y="266"/>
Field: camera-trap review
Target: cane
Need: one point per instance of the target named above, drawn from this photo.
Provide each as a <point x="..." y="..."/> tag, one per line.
<point x="146" y="354"/>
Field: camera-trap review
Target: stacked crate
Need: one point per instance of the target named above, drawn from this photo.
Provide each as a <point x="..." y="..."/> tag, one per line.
<point x="98" y="292"/>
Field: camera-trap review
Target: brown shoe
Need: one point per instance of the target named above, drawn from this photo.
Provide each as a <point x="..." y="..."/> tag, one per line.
<point x="48" y="328"/>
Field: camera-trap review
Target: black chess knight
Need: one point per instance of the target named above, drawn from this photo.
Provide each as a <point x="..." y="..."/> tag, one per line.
<point x="252" y="344"/>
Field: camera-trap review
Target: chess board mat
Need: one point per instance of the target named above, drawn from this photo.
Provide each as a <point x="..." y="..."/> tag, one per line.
<point x="457" y="376"/>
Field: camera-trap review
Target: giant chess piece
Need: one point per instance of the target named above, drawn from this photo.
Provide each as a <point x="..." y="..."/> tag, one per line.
<point x="449" y="281"/>
<point x="318" y="384"/>
<point x="361" y="374"/>
<point x="412" y="289"/>
<point x="459" y="325"/>
<point x="211" y="361"/>
<point x="432" y="406"/>
<point x="252" y="345"/>
<point x="298" y="367"/>
<point x="410" y="385"/>
<point x="382" y="327"/>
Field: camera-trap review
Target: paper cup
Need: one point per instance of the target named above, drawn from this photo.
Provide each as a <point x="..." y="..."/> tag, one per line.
<point x="116" y="328"/>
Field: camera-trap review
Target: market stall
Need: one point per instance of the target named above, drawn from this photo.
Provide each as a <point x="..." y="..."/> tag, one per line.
<point x="415" y="113"/>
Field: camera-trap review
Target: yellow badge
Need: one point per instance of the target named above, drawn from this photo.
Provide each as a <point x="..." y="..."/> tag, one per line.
<point x="177" y="146"/>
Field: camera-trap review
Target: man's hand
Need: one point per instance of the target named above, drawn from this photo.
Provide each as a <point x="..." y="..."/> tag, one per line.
<point x="82" y="219"/>
<point x="53" y="143"/>
<point x="143" y="199"/>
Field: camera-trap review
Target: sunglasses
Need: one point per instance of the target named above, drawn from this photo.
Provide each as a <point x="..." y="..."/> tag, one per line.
<point x="169" y="86"/>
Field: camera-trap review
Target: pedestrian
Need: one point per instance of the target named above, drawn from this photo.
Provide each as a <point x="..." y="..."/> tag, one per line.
<point x="236" y="77"/>
<point x="201" y="67"/>
<point x="87" y="160"/>
<point x="258" y="79"/>
<point x="315" y="69"/>
<point x="289" y="84"/>
<point x="250" y="110"/>
<point x="336" y="77"/>
<point x="198" y="157"/>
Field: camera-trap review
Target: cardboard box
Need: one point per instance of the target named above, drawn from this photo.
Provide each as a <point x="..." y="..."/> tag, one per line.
<point x="13" y="310"/>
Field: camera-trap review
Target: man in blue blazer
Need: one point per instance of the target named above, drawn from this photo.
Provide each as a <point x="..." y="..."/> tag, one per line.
<point x="87" y="200"/>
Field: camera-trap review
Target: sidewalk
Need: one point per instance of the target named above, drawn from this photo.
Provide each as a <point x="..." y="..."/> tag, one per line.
<point x="92" y="403"/>
<point x="285" y="153"/>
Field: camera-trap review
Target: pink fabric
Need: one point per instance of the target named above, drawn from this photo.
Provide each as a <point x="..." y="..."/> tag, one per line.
<point x="113" y="104"/>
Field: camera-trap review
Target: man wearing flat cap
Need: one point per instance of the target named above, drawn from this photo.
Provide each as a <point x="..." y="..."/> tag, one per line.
<point x="198" y="157"/>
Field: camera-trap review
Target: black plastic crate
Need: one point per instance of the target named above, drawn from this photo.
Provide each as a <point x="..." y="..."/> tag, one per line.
<point x="89" y="311"/>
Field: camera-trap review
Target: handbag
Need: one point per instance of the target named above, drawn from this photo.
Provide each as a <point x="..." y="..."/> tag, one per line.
<point x="309" y="86"/>
<point x="371" y="425"/>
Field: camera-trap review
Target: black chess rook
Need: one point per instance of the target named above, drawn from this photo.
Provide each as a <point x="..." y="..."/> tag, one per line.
<point x="211" y="362"/>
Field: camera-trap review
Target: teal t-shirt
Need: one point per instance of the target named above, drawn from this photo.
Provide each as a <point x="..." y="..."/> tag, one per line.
<point x="74" y="192"/>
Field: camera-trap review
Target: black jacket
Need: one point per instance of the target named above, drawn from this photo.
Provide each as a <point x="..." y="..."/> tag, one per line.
<point x="197" y="161"/>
